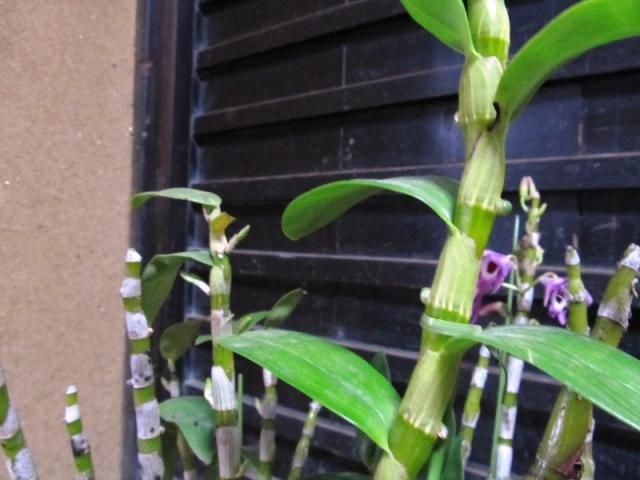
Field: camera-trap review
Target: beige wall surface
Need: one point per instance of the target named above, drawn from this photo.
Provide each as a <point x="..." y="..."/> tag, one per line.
<point x="66" y="74"/>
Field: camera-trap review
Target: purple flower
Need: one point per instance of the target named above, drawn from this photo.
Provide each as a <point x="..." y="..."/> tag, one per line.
<point x="494" y="268"/>
<point x="557" y="296"/>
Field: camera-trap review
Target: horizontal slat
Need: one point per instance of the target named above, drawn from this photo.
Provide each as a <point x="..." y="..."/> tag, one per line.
<point x="580" y="172"/>
<point x="414" y="86"/>
<point x="332" y="20"/>
<point x="361" y="270"/>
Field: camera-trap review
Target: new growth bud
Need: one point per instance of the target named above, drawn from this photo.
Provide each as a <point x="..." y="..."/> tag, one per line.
<point x="490" y="28"/>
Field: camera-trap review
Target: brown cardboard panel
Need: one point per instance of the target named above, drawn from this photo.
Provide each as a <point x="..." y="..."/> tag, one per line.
<point x="65" y="113"/>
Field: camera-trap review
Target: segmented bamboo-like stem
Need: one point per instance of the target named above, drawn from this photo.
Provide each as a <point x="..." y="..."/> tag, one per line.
<point x="79" y="443"/>
<point x="571" y="419"/>
<point x="142" y="380"/>
<point x="222" y="396"/>
<point x="302" y="449"/>
<point x="20" y="464"/>
<point x="418" y="423"/>
<point x="471" y="412"/>
<point x="267" y="410"/>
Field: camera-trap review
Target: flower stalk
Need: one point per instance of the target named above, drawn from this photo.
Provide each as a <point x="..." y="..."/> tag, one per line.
<point x="20" y="464"/>
<point x="559" y="453"/>
<point x="529" y="255"/>
<point x="302" y="448"/>
<point x="79" y="444"/>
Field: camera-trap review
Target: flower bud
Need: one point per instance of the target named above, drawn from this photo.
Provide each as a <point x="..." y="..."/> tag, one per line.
<point x="478" y="85"/>
<point x="490" y="28"/>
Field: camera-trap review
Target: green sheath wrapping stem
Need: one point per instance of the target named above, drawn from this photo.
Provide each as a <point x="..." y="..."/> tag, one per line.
<point x="20" y="464"/>
<point x="148" y="426"/>
<point x="79" y="444"/>
<point x="571" y="420"/>
<point x="419" y="420"/>
<point x="302" y="449"/>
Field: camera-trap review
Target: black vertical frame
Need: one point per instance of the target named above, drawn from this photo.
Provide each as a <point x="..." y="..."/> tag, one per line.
<point x="161" y="143"/>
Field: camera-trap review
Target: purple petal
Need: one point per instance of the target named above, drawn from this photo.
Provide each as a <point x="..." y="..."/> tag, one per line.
<point x="494" y="268"/>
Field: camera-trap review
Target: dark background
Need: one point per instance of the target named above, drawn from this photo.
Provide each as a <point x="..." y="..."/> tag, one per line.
<point x="260" y="100"/>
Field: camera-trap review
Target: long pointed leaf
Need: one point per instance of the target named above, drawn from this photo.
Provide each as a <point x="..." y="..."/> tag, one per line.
<point x="330" y="374"/>
<point x="339" y="476"/>
<point x="160" y="274"/>
<point x="585" y="25"/>
<point x="283" y="308"/>
<point x="194" y="418"/>
<point x="604" y="375"/>
<point x="201" y="197"/>
<point x="445" y="19"/>
<point x="322" y="205"/>
<point x="250" y="320"/>
<point x="177" y="339"/>
<point x="368" y="451"/>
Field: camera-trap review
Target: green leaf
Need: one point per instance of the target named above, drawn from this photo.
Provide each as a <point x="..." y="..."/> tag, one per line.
<point x="169" y="450"/>
<point x="200" y="339"/>
<point x="283" y="307"/>
<point x="194" y="418"/>
<point x="177" y="339"/>
<point x="248" y="321"/>
<point x="454" y="466"/>
<point x="445" y="19"/>
<point x="159" y="275"/>
<point x="322" y="205"/>
<point x="193" y="279"/>
<point x="328" y="373"/>
<point x="201" y="197"/>
<point x="585" y="25"/>
<point x="604" y="375"/>
<point x="437" y="467"/>
<point x="339" y="476"/>
<point x="368" y="452"/>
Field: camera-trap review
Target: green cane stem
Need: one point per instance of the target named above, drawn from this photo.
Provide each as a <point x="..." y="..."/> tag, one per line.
<point x="20" y="464"/>
<point x="571" y="419"/>
<point x="222" y="396"/>
<point x="302" y="448"/>
<point x="142" y="380"/>
<point x="79" y="444"/>
<point x="267" y="409"/>
<point x="472" y="405"/>
<point x="418" y="423"/>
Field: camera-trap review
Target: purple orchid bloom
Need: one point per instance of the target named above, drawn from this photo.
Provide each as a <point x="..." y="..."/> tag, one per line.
<point x="494" y="268"/>
<point x="557" y="296"/>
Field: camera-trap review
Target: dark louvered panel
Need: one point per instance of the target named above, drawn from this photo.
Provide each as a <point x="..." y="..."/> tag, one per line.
<point x="295" y="93"/>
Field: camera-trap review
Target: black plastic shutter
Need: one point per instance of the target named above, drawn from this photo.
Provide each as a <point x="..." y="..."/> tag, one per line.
<point x="283" y="96"/>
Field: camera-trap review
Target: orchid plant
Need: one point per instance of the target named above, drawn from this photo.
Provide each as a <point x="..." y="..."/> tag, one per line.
<point x="413" y="435"/>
